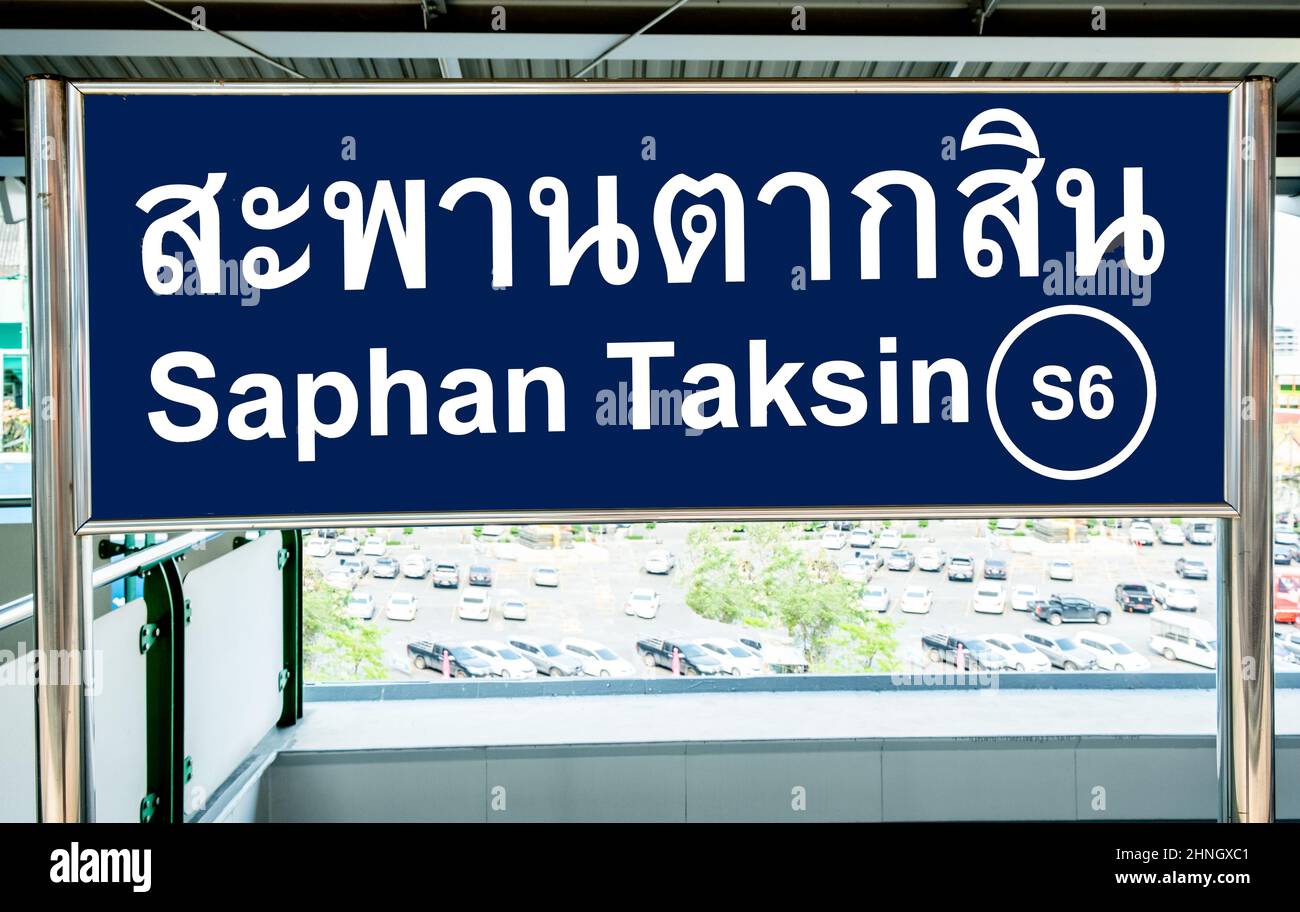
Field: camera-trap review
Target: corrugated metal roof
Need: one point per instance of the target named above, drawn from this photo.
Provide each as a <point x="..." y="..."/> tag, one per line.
<point x="13" y="69"/>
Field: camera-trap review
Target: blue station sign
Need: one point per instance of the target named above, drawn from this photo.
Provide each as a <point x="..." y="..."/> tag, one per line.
<point x="439" y="302"/>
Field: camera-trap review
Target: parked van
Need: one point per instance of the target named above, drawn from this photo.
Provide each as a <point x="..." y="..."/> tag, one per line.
<point x="1199" y="532"/>
<point x="1183" y="639"/>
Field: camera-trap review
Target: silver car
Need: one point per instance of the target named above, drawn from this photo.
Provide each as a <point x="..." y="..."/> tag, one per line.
<point x="1062" y="650"/>
<point x="549" y="658"/>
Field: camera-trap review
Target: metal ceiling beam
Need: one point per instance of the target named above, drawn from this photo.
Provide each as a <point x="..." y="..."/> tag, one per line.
<point x="515" y="46"/>
<point x="1066" y="18"/>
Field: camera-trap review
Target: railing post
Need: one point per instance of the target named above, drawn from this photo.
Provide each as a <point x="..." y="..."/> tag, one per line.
<point x="165" y="695"/>
<point x="292" y="587"/>
<point x="63" y="608"/>
<point x="1245" y="604"/>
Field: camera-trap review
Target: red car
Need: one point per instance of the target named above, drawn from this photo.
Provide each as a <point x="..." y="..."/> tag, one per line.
<point x="1286" y="597"/>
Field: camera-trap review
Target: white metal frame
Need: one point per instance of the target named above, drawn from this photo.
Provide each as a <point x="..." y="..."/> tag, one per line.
<point x="60" y="367"/>
<point x="81" y="360"/>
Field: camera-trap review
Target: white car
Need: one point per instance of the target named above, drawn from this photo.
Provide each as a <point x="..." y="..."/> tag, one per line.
<point x="931" y="560"/>
<point x="415" y="566"/>
<point x="875" y="598"/>
<point x="1288" y="639"/>
<point x="546" y="576"/>
<point x="1022" y="598"/>
<point x="988" y="599"/>
<point x="834" y="540"/>
<point x="493" y="533"/>
<point x="597" y="659"/>
<point x="374" y="547"/>
<point x="505" y="660"/>
<point x="1007" y="525"/>
<point x="735" y="658"/>
<point x="401" y="606"/>
<point x="1018" y="653"/>
<point x="346" y="545"/>
<point x="446" y="575"/>
<point x="642" y="603"/>
<point x="1182" y="598"/>
<point x="361" y="606"/>
<point x="475" y="605"/>
<point x="1141" y="533"/>
<point x="915" y="600"/>
<point x="1172" y="535"/>
<point x="861" y="538"/>
<point x="889" y="540"/>
<point x="340" y="578"/>
<point x="871" y="558"/>
<point x="855" y="571"/>
<point x="1112" y="653"/>
<point x="660" y="562"/>
<point x="779" y="656"/>
<point x="1176" y="596"/>
<point x="318" y="547"/>
<point x="901" y="560"/>
<point x="513" y="606"/>
<point x="1183" y="639"/>
<point x="1060" y="570"/>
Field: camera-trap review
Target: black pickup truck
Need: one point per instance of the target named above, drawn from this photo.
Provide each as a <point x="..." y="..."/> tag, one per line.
<point x="1070" y="609"/>
<point x="464" y="662"/>
<point x="1134" y="597"/>
<point x="695" y="660"/>
<point x="976" y="654"/>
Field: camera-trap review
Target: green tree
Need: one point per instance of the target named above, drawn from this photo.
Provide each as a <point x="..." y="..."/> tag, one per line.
<point x="15" y="428"/>
<point x="336" y="647"/>
<point x="867" y="642"/>
<point x="772" y="580"/>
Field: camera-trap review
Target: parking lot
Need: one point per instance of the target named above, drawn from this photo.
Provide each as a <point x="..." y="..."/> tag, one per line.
<point x="595" y="579"/>
<point x="597" y="575"/>
<point x="1100" y="563"/>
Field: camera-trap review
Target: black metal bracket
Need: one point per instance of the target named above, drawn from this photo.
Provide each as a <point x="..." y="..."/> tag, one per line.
<point x="111" y="549"/>
<point x="148" y="804"/>
<point x="432" y="9"/>
<point x="149" y="634"/>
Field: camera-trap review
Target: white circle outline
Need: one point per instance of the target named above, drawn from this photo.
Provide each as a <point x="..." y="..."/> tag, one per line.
<point x="1072" y="310"/>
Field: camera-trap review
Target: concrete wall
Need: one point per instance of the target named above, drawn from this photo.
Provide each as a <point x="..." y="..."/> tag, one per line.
<point x="1071" y="778"/>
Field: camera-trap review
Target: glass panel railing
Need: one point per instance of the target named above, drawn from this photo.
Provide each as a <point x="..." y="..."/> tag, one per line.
<point x="234" y="658"/>
<point x="18" y="723"/>
<point x="120" y="692"/>
<point x="221" y="626"/>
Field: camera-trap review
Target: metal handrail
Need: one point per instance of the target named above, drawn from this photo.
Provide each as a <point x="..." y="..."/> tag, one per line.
<point x="130" y="563"/>
<point x="20" y="609"/>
